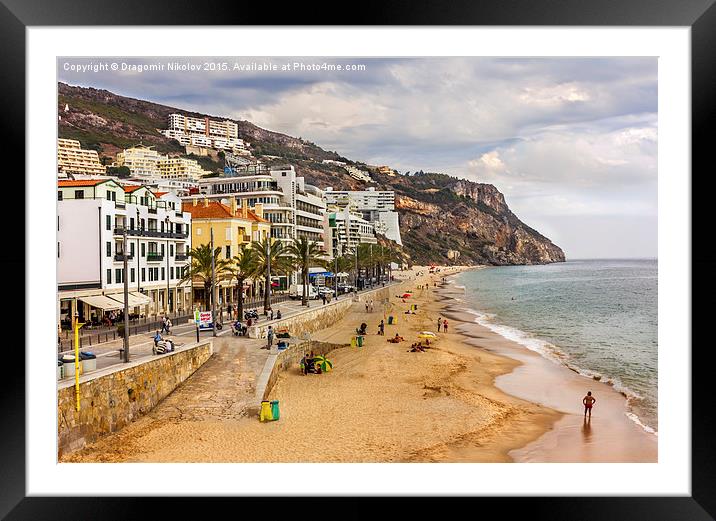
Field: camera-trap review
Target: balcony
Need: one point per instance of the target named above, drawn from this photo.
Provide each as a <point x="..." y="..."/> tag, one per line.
<point x="153" y="256"/>
<point x="181" y="257"/>
<point x="134" y="232"/>
<point x="245" y="238"/>
<point x="119" y="257"/>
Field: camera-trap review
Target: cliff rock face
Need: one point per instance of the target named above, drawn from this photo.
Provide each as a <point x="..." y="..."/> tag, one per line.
<point x="437" y="212"/>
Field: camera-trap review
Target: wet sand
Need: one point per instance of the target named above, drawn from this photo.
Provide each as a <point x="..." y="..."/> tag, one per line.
<point x="608" y="436"/>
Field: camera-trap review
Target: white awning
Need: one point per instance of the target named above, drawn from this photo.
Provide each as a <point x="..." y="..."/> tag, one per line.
<point x="102" y="302"/>
<point x="139" y="299"/>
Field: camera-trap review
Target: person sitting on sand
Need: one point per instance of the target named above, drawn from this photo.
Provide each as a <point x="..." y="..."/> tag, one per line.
<point x="398" y="338"/>
<point x="588" y="401"/>
<point x="363" y="329"/>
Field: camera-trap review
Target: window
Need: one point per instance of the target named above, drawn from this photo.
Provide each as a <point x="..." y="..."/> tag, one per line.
<point x="59" y="195"/>
<point x="171" y="250"/>
<point x="118" y="275"/>
<point x="228" y="252"/>
<point x="163" y="274"/>
<point x="144" y="274"/>
<point x="131" y="249"/>
<point x="109" y="276"/>
<point x="131" y="223"/>
<point x="58" y="250"/>
<point x="144" y="252"/>
<point x="162" y="227"/>
<point x="109" y="249"/>
<point x="162" y="249"/>
<point x="198" y="231"/>
<point x="109" y="222"/>
<point x="79" y="194"/>
<point x="228" y="234"/>
<point x="151" y="275"/>
<point x="171" y="270"/>
<point x="131" y="275"/>
<point x="58" y="223"/>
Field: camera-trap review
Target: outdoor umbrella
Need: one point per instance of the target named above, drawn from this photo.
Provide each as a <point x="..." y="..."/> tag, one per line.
<point x="406" y="295"/>
<point x="324" y="363"/>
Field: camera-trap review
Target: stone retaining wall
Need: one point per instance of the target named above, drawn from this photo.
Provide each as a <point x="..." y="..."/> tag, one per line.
<point x="320" y="316"/>
<point x="112" y="398"/>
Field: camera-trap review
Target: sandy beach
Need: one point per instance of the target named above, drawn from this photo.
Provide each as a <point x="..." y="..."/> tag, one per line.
<point x="473" y="396"/>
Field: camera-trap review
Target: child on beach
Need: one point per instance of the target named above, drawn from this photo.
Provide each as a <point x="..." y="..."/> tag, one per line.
<point x="445" y="325"/>
<point x="588" y="401"/>
<point x="381" y="328"/>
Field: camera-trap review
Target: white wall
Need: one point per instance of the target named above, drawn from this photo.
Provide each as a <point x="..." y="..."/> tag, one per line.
<point x="78" y="235"/>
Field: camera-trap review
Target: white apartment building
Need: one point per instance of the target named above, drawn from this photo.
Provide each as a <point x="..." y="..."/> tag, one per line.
<point x="293" y="207"/>
<point x="204" y="132"/>
<point x="345" y="229"/>
<point x="377" y="207"/>
<point x="181" y="168"/>
<point x="91" y="218"/>
<point x="73" y="159"/>
<point x="142" y="161"/>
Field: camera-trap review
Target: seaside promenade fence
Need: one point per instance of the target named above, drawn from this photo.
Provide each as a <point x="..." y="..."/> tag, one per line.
<point x="94" y="336"/>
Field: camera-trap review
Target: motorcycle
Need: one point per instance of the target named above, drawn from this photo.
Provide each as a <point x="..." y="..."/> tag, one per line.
<point x="251" y="313"/>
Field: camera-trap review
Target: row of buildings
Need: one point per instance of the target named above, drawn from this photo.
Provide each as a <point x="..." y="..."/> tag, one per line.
<point x="165" y="218"/>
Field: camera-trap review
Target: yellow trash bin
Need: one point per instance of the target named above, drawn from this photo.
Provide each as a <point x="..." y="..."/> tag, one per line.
<point x="354" y="342"/>
<point x="265" y="414"/>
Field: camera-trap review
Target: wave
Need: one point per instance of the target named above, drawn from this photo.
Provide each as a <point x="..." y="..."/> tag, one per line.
<point x="554" y="354"/>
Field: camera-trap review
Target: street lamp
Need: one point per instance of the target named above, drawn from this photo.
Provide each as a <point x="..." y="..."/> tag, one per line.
<point x="268" y="274"/>
<point x="126" y="293"/>
<point x="213" y="285"/>
<point x="166" y="221"/>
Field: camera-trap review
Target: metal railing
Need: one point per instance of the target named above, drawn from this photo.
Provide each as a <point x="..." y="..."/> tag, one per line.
<point x="154" y="257"/>
<point x="94" y="335"/>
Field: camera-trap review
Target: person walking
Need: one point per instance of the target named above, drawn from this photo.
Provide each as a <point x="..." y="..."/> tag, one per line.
<point x="366" y="306"/>
<point x="445" y="325"/>
<point x="269" y="334"/>
<point x="270" y="313"/>
<point x="440" y="323"/>
<point x="371" y="305"/>
<point x="381" y="328"/>
<point x="588" y="401"/>
<point x="164" y="324"/>
<point x="168" y="325"/>
<point x="323" y="297"/>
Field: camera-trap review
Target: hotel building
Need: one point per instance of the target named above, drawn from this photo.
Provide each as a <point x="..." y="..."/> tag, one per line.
<point x="203" y="132"/>
<point x="376" y="206"/>
<point x="91" y="218"/>
<point x="234" y="228"/>
<point x="73" y="159"/>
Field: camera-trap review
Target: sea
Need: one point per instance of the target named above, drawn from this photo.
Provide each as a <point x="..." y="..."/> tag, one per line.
<point x="597" y="317"/>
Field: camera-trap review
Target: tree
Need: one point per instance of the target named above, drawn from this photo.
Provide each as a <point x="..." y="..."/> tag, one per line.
<point x="200" y="268"/>
<point x="273" y="253"/>
<point x="245" y="266"/>
<point x="119" y="171"/>
<point x="305" y="253"/>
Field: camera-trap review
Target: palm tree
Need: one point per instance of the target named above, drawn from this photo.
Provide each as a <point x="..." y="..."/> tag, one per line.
<point x="273" y="253"/>
<point x="340" y="264"/>
<point x="245" y="266"/>
<point x="200" y="268"/>
<point x="305" y="253"/>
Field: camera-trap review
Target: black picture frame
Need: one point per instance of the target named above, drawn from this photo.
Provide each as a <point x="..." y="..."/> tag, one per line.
<point x="699" y="15"/>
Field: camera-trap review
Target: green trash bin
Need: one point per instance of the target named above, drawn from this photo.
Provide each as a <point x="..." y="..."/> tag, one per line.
<point x="359" y="339"/>
<point x="274" y="409"/>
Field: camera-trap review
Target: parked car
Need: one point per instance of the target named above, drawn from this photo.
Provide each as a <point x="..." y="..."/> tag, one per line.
<point x="325" y="290"/>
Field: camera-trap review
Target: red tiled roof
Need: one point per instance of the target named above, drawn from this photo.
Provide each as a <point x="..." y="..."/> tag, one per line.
<point x="217" y="210"/>
<point x="62" y="183"/>
<point x="159" y="194"/>
<point x="131" y="188"/>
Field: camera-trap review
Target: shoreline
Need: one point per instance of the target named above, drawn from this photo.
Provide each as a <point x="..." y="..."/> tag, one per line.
<point x="610" y="436"/>
<point x="462" y="400"/>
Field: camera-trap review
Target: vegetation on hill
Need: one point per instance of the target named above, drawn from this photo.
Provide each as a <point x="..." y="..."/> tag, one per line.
<point x="438" y="212"/>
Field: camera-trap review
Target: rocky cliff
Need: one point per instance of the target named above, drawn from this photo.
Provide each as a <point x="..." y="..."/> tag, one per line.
<point x="438" y="212"/>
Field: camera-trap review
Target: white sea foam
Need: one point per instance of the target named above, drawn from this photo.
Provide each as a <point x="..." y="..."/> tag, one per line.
<point x="554" y="354"/>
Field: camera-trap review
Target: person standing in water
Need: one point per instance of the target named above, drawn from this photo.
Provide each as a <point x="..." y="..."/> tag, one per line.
<point x="588" y="401"/>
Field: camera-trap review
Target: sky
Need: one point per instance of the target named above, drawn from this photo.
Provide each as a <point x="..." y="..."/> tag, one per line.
<point x="570" y="142"/>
